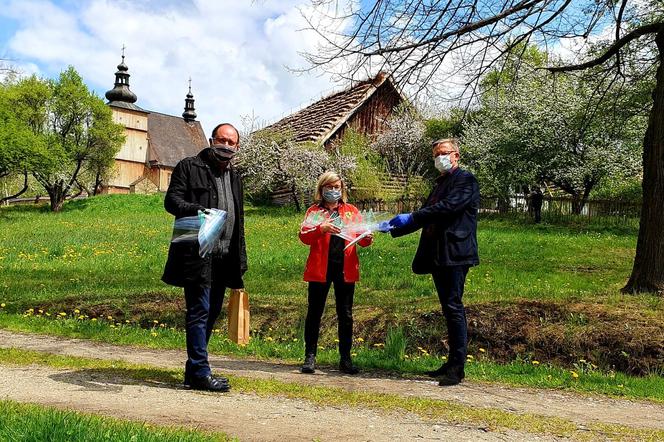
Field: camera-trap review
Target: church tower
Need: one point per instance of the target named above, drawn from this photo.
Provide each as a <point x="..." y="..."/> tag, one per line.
<point x="131" y="160"/>
<point x="189" y="113"/>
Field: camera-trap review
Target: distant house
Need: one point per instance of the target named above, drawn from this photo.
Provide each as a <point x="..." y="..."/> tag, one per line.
<point x="364" y="107"/>
<point x="154" y="143"/>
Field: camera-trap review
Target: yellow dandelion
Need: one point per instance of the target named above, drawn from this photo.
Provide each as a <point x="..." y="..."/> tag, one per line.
<point x="360" y="340"/>
<point x="269" y="338"/>
<point x="154" y="321"/>
<point x="3" y="305"/>
<point x="126" y="321"/>
<point x="575" y="375"/>
<point x="77" y="311"/>
<point x="482" y="350"/>
<point x="535" y="362"/>
<point x="109" y="317"/>
<point x="62" y="314"/>
<point x="336" y="340"/>
<point x="153" y="334"/>
<point x="41" y="311"/>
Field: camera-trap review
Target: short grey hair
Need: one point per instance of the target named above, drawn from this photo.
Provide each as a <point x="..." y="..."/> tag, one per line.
<point x="453" y="141"/>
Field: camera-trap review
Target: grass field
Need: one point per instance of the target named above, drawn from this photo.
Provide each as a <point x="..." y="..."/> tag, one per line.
<point x="25" y="422"/>
<point x="114" y="247"/>
<point x="547" y="292"/>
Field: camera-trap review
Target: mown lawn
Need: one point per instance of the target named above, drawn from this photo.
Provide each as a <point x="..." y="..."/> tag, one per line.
<point x="114" y="247"/>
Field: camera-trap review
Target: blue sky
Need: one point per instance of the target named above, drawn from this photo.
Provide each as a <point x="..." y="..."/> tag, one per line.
<point x="238" y="53"/>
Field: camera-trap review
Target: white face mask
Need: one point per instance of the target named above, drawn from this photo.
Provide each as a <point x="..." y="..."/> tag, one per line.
<point x="443" y="163"/>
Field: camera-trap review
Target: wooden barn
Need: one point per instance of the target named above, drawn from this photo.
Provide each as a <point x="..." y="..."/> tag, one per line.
<point x="364" y="107"/>
<point x="154" y="142"/>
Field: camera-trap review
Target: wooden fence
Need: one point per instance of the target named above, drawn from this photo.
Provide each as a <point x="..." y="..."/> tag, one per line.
<point x="554" y="207"/>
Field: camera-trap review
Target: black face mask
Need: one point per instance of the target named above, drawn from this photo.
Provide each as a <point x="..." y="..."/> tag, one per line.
<point x="222" y="152"/>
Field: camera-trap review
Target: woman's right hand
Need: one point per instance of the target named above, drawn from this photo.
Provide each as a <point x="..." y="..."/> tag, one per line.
<point x="328" y="227"/>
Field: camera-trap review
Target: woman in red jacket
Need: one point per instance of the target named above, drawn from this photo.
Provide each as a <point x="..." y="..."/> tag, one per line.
<point x="328" y="264"/>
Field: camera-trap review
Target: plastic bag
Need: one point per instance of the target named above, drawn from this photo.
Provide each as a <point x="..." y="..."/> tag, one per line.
<point x="353" y="227"/>
<point x="206" y="228"/>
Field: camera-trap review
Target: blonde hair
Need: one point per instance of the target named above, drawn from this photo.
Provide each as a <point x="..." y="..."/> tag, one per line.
<point x="452" y="141"/>
<point x="328" y="178"/>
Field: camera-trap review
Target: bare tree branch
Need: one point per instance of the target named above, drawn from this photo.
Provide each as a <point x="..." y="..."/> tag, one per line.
<point x="652" y="28"/>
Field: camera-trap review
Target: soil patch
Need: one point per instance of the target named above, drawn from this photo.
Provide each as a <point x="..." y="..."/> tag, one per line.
<point x="612" y="338"/>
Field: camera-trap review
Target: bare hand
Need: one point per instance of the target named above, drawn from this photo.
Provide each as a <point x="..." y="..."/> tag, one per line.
<point x="328" y="227"/>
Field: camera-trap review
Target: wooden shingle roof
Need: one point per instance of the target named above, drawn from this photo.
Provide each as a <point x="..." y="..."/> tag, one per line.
<point x="172" y="139"/>
<point x="319" y="121"/>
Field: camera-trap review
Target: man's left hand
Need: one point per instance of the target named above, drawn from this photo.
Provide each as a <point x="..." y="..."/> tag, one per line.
<point x="402" y="220"/>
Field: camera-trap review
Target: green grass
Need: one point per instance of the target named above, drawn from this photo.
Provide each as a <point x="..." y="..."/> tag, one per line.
<point x="390" y="358"/>
<point x="492" y="418"/>
<point x="26" y="422"/>
<point x="114" y="247"/>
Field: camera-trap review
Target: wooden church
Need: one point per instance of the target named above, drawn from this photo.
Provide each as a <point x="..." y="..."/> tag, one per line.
<point x="154" y="142"/>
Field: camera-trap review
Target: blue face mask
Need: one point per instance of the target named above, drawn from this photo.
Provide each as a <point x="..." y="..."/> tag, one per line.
<point x="443" y="163"/>
<point x="331" y="195"/>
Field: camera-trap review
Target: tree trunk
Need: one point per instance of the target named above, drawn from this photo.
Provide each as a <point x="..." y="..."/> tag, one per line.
<point x="648" y="271"/>
<point x="296" y="200"/>
<point x="57" y="196"/>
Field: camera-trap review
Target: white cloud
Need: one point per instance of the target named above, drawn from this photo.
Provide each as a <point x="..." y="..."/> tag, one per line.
<point x="236" y="52"/>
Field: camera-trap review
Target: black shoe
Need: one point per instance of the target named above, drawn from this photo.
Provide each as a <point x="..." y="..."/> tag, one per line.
<point x="452" y="376"/>
<point x="439" y="372"/>
<point x="346" y="366"/>
<point x="209" y="383"/>
<point x="309" y="365"/>
<point x="187" y="380"/>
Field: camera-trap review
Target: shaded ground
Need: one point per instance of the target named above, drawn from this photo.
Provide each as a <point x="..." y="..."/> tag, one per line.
<point x="581" y="409"/>
<point x="611" y="337"/>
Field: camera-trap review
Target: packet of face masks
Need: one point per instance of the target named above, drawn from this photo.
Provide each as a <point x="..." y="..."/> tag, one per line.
<point x="353" y="228"/>
<point x="206" y="228"/>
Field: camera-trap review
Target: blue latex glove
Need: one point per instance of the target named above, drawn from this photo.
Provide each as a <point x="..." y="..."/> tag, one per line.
<point x="402" y="220"/>
<point x="384" y="226"/>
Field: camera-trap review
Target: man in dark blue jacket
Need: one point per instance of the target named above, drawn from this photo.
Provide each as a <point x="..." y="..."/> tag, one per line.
<point x="447" y="248"/>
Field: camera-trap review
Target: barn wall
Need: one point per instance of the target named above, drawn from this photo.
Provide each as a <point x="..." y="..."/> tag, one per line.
<point x="135" y="147"/>
<point x="370" y="117"/>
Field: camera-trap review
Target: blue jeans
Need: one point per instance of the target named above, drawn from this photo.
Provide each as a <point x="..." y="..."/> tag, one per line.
<point x="203" y="308"/>
<point x="449" y="283"/>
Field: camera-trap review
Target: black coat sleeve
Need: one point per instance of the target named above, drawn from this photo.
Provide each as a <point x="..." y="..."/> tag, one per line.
<point x="175" y="202"/>
<point x="464" y="192"/>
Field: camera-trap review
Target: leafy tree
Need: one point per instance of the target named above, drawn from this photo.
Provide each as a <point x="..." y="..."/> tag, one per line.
<point x="21" y="150"/>
<point x="75" y="126"/>
<point x="525" y="135"/>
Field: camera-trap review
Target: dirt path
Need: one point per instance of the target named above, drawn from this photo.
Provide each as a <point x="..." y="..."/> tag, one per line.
<point x="253" y="418"/>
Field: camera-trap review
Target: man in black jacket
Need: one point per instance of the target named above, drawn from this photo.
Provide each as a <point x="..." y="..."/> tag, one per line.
<point x="206" y="181"/>
<point x="447" y="248"/>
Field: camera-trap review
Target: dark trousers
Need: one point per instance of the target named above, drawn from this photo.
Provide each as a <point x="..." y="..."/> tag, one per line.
<point x="449" y="283"/>
<point x="203" y="308"/>
<point x="343" y="294"/>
